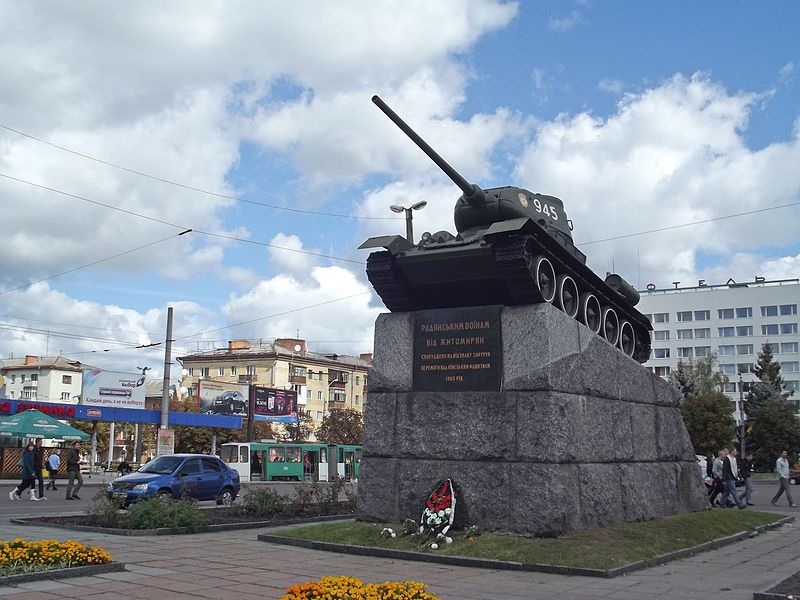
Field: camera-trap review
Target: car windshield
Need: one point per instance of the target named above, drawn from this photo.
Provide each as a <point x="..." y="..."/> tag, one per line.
<point x="163" y="465"/>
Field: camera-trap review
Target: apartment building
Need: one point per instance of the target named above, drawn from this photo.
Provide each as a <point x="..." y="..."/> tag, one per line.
<point x="45" y="378"/>
<point x="734" y="320"/>
<point x="322" y="381"/>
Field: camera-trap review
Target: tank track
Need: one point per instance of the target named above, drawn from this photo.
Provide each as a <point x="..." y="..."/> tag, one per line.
<point x="387" y="281"/>
<point x="513" y="267"/>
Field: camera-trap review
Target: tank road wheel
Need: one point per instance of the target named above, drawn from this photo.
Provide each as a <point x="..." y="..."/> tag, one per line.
<point x="545" y="277"/>
<point x="590" y="313"/>
<point x="567" y="295"/>
<point x="627" y="338"/>
<point x="610" y="326"/>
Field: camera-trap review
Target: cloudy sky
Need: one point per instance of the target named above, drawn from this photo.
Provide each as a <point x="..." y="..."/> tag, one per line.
<point x="124" y="125"/>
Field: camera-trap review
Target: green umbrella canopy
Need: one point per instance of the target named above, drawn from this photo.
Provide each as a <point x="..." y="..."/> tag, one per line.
<point x="35" y="424"/>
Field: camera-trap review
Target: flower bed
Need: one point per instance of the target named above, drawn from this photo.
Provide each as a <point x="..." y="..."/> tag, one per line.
<point x="349" y="588"/>
<point x="22" y="556"/>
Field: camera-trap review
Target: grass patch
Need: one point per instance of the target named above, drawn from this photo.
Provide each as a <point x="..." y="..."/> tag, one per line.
<point x="601" y="548"/>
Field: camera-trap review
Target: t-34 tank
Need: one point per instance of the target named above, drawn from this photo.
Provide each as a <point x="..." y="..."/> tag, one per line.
<point x="512" y="247"/>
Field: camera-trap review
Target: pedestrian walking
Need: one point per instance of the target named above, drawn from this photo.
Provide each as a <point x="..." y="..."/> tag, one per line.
<point x="38" y="465"/>
<point x="745" y="471"/>
<point x="782" y="467"/>
<point x="716" y="470"/>
<point x="53" y="463"/>
<point x="74" y="471"/>
<point x="730" y="474"/>
<point x="28" y="475"/>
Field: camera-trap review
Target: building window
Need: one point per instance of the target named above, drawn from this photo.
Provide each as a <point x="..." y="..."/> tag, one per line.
<point x="319" y="395"/>
<point x="29" y="393"/>
<point x="791" y="384"/>
<point x="788" y="328"/>
<point x="34" y="377"/>
<point x="661" y="318"/>
<point x="727" y="369"/>
<point x="744" y="349"/>
<point x="661" y="353"/>
<point x="702" y="315"/>
<point x="726" y="332"/>
<point x="702" y="351"/>
<point x="220" y="371"/>
<point x="725" y="313"/>
<point x="358" y="380"/>
<point x="661" y="335"/>
<point x="769" y="311"/>
<point x="11" y="395"/>
<point x="684" y="316"/>
<point x="191" y="371"/>
<point x="203" y="371"/>
<point x="769" y="329"/>
<point x="308" y="394"/>
<point x="788" y="309"/>
<point x="233" y="370"/>
<point x="789" y="348"/>
<point x="702" y="333"/>
<point x="66" y="379"/>
<point x="729" y="387"/>
<point x="251" y="369"/>
<point x="685" y="353"/>
<point x="22" y="378"/>
<point x="319" y="415"/>
<point x="685" y="334"/>
<point x="742" y="368"/>
<point x="358" y="401"/>
<point x="744" y="312"/>
<point x="65" y="396"/>
<point x="790" y="367"/>
<point x="13" y="379"/>
<point x="727" y="350"/>
<point x="744" y="331"/>
<point x="662" y="371"/>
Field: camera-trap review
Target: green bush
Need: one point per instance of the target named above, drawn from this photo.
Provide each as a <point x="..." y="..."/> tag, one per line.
<point x="103" y="512"/>
<point x="263" y="503"/>
<point x="159" y="512"/>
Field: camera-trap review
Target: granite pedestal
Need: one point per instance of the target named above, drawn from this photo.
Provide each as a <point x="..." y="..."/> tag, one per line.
<point x="578" y="435"/>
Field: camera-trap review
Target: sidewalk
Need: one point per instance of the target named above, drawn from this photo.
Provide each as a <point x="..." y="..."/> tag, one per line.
<point x="235" y="565"/>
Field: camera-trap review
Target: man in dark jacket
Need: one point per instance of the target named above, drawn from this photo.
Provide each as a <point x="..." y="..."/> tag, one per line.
<point x="745" y="470"/>
<point x="730" y="474"/>
<point x="74" y="471"/>
<point x="38" y="464"/>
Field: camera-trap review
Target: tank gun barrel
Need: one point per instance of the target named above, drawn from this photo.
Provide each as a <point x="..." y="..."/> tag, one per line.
<point x="472" y="193"/>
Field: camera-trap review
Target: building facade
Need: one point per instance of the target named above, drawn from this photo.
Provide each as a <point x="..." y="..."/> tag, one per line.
<point x="322" y="381"/>
<point x="46" y="379"/>
<point x="733" y="320"/>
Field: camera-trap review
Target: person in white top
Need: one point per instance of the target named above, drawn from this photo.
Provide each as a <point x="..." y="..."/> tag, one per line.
<point x="782" y="467"/>
<point x="53" y="462"/>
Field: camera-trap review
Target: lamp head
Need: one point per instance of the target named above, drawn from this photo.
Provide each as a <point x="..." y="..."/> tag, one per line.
<point x="395" y="208"/>
<point x="419" y="205"/>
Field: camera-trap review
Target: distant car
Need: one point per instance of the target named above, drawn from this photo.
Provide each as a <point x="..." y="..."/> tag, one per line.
<point x="199" y="476"/>
<point x="229" y="403"/>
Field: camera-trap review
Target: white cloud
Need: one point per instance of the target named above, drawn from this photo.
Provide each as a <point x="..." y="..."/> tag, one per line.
<point x="567" y="22"/>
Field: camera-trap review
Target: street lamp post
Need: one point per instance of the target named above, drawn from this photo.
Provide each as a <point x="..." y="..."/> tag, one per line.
<point x="409" y="218"/>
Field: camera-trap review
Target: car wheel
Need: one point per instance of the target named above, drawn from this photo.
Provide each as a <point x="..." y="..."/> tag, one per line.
<point x="226" y="497"/>
<point x="164" y="496"/>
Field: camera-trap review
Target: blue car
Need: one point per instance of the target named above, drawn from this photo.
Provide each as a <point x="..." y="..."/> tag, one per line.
<point x="199" y="476"/>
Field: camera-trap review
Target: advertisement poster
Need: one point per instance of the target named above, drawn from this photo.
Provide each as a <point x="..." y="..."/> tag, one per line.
<point x="270" y="404"/>
<point x="165" y="442"/>
<point x="112" y="389"/>
<point x="221" y="398"/>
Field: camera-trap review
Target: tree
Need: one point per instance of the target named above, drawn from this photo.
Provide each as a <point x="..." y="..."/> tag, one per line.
<point x="774" y="428"/>
<point x="770" y="385"/>
<point x="697" y="378"/>
<point x="299" y="431"/>
<point x="342" y="426"/>
<point x="709" y="421"/>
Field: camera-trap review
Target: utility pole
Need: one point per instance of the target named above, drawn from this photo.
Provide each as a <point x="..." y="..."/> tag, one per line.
<point x="166" y="440"/>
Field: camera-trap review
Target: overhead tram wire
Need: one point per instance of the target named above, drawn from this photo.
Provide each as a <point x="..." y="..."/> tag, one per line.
<point x="177" y="226"/>
<point x="192" y="188"/>
<point x="91" y="264"/>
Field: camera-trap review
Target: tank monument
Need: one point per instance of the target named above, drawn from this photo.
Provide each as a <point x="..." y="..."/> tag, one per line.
<point x="509" y="367"/>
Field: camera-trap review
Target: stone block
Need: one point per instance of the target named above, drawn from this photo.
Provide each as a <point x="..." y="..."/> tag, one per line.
<point x="462" y="426"/>
<point x="672" y="439"/>
<point x="392" y="367"/>
<point x="693" y="496"/>
<point x="545" y="426"/>
<point x="380" y="414"/>
<point x="541" y="349"/>
<point x="600" y="494"/>
<point x="643" y="430"/>
<point x="663" y="393"/>
<point x="635" y="381"/>
<point x="377" y="490"/>
<point x="602" y="430"/>
<point x="598" y="365"/>
<point x="545" y="498"/>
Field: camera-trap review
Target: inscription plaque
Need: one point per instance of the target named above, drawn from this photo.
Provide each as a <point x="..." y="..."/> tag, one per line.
<point x="457" y="349"/>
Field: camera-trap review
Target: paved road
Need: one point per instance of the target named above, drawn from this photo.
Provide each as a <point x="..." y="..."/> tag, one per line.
<point x="236" y="565"/>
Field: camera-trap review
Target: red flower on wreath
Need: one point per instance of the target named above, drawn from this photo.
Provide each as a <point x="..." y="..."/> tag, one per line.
<point x="441" y="499"/>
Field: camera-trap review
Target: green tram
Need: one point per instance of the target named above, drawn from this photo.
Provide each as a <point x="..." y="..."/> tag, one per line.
<point x="259" y="461"/>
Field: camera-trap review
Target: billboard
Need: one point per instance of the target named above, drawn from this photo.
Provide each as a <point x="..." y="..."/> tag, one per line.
<point x="112" y="389"/>
<point x="270" y="404"/>
<point x="221" y="398"/>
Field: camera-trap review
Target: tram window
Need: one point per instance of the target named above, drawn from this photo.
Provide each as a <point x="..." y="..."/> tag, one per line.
<point x="293" y="455"/>
<point x="244" y="454"/>
<point x="230" y="454"/>
<point x="323" y="455"/>
<point x="276" y="455"/>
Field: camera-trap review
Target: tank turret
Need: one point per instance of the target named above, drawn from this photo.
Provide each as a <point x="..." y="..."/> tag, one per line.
<point x="511" y="246"/>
